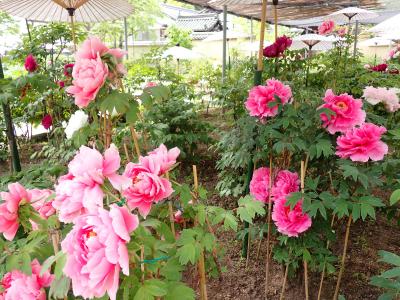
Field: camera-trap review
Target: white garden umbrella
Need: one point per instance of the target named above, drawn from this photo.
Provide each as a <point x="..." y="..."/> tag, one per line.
<point x="312" y="41"/>
<point x="389" y="26"/>
<point x="351" y="13"/>
<point x="179" y="53"/>
<point x="68" y="10"/>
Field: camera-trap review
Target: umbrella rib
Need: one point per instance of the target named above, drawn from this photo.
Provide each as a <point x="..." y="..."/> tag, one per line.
<point x="111" y="9"/>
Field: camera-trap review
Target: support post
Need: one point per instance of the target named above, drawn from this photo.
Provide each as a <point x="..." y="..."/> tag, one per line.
<point x="224" y="43"/>
<point x="355" y="40"/>
<point x="126" y="36"/>
<point x="12" y="142"/>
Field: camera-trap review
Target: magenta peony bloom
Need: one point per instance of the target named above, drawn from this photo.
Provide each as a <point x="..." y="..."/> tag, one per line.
<point x="362" y="143"/>
<point x="178" y="217"/>
<point x="326" y="27"/>
<point x="278" y="47"/>
<point x="61" y="84"/>
<point x="260" y="96"/>
<point x="31" y="64"/>
<point x="285" y="183"/>
<point x="80" y="191"/>
<point x="271" y="51"/>
<point x="259" y="184"/>
<point x="47" y="121"/>
<point x="290" y="222"/>
<point x="68" y="68"/>
<point x="89" y="76"/>
<point x="96" y="250"/>
<point x="348" y="112"/>
<point x="16" y="196"/>
<point x="380" y="68"/>
<point x="17" y="285"/>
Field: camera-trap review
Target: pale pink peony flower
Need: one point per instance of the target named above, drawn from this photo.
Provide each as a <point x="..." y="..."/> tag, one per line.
<point x="15" y="196"/>
<point x="96" y="250"/>
<point x="285" y="183"/>
<point x="151" y="84"/>
<point x="259" y="184"/>
<point x="147" y="188"/>
<point x="362" y="143"/>
<point x="167" y="158"/>
<point x="348" y="112"/>
<point x="41" y="201"/>
<point x="88" y="76"/>
<point x="326" y="27"/>
<point x="391" y="53"/>
<point x="290" y="222"/>
<point x="387" y="96"/>
<point x="260" y="96"/>
<point x="342" y="31"/>
<point x="80" y="190"/>
<point x="17" y="285"/>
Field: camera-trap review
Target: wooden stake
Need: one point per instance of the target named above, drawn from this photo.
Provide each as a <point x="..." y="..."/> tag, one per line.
<point x="55" y="241"/>
<point x="302" y="178"/>
<point x="346" y="240"/>
<point x="267" y="263"/>
<point x="135" y="141"/>
<point x="276" y="20"/>
<point x="201" y="263"/>
<point x="141" y="261"/>
<point x="284" y="282"/>
<point x="126" y="152"/>
<point x="306" y="279"/>
<point x="262" y="35"/>
<point x="171" y="211"/>
<point x="248" y="246"/>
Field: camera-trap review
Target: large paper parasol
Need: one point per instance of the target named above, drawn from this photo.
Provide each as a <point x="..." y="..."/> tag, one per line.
<point x="312" y="42"/>
<point x="389" y="26"/>
<point x="351" y="13"/>
<point x="67" y="10"/>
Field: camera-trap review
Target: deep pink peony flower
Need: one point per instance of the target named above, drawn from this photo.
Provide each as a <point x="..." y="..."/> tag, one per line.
<point x="326" y="27"/>
<point x="259" y="184"/>
<point x="61" y="84"/>
<point x="380" y="68"/>
<point x="15" y="196"/>
<point x="47" y="121"/>
<point x="290" y="222"/>
<point x="260" y="96"/>
<point x="80" y="190"/>
<point x="96" y="250"/>
<point x="271" y="51"/>
<point x="362" y="143"/>
<point x="89" y="76"/>
<point x="68" y="68"/>
<point x="17" y="285"/>
<point x="278" y="47"/>
<point x="348" y="112"/>
<point x="31" y="64"/>
<point x="285" y="183"/>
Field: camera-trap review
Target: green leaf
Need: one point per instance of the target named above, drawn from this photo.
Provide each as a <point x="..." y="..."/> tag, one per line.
<point x="367" y="210"/>
<point x="60" y="263"/>
<point x="395" y="197"/>
<point x="178" y="290"/>
<point x="49" y="261"/>
<point x="201" y="214"/>
<point x="116" y="100"/>
<point x="59" y="288"/>
<point x="172" y="270"/>
<point x="395" y="272"/>
<point x="389" y="257"/>
<point x="249" y="208"/>
<point x="187" y="253"/>
<point x="150" y="289"/>
<point x="132" y="113"/>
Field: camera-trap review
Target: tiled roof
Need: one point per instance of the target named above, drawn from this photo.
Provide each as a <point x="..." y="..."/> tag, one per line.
<point x="199" y="36"/>
<point x="200" y="22"/>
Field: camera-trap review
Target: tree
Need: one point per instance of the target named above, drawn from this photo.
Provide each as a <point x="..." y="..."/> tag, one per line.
<point x="179" y="36"/>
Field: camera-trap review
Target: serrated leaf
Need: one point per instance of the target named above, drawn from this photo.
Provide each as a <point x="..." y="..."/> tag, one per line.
<point x="187" y="253"/>
<point x="395" y="197"/>
<point x="132" y="113"/>
<point x="116" y="100"/>
<point x="172" y="270"/>
<point x="178" y="290"/>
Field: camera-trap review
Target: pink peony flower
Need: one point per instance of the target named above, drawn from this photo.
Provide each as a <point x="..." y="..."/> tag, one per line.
<point x="15" y="196"/>
<point x="31" y="64"/>
<point x="261" y="96"/>
<point x="326" y="27"/>
<point x="259" y="184"/>
<point x="96" y="250"/>
<point x="285" y="183"/>
<point x="47" y="121"/>
<point x="68" y="68"/>
<point x="391" y="53"/>
<point x="80" y="190"/>
<point x="278" y="47"/>
<point x="147" y="188"/>
<point x="271" y="51"/>
<point x="362" y="143"/>
<point x="348" y="112"/>
<point x="387" y="96"/>
<point x="151" y="84"/>
<point x="166" y="158"/>
<point x="89" y="76"/>
<point x="290" y="222"/>
<point x="41" y="201"/>
<point x="17" y="285"/>
<point x="342" y="31"/>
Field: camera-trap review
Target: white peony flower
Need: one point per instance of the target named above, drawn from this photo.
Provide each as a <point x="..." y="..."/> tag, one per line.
<point x="78" y="120"/>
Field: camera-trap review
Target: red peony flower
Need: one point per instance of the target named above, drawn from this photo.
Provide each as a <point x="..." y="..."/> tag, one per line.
<point x="380" y="68"/>
<point x="31" y="64"/>
<point x="68" y="70"/>
<point x="61" y="84"/>
<point x="47" y="121"/>
<point x="271" y="51"/>
<point x="277" y="48"/>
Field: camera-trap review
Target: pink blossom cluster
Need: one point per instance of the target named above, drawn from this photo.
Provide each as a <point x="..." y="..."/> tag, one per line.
<point x="394" y="53"/>
<point x="382" y="95"/>
<point x="359" y="141"/>
<point x="261" y="97"/>
<point x="17" y="196"/>
<point x="92" y="68"/>
<point x="17" y="285"/>
<point x="147" y="184"/>
<point x="290" y="222"/>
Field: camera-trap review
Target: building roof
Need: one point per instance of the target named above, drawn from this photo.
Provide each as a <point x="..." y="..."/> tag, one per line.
<point x="297" y="9"/>
<point x="200" y="22"/>
<point x="174" y="12"/>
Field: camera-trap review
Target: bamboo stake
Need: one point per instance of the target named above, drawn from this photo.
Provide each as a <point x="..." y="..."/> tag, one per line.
<point x="201" y="263"/>
<point x="248" y="247"/>
<point x="126" y="152"/>
<point x="284" y="282"/>
<point x="171" y="212"/>
<point x="267" y="263"/>
<point x="55" y="241"/>
<point x="276" y="18"/>
<point x="302" y="178"/>
<point x="262" y="35"/>
<point x="346" y="240"/>
<point x="135" y="141"/>
<point x="141" y="261"/>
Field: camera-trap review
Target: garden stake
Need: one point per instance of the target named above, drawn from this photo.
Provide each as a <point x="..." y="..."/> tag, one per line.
<point x="302" y="177"/>
<point x="250" y="168"/>
<point x="171" y="211"/>
<point x="201" y="264"/>
<point x="126" y="152"/>
<point x="141" y="261"/>
<point x="135" y="141"/>
<point x="284" y="282"/>
<point x="275" y="3"/>
<point x="324" y="266"/>
<point x="269" y="228"/>
<point x="248" y="246"/>
<point x="346" y="240"/>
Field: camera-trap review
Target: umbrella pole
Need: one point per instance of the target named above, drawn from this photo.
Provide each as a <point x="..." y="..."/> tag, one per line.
<point x="71" y="12"/>
<point x="355" y="40"/>
<point x="276" y="18"/>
